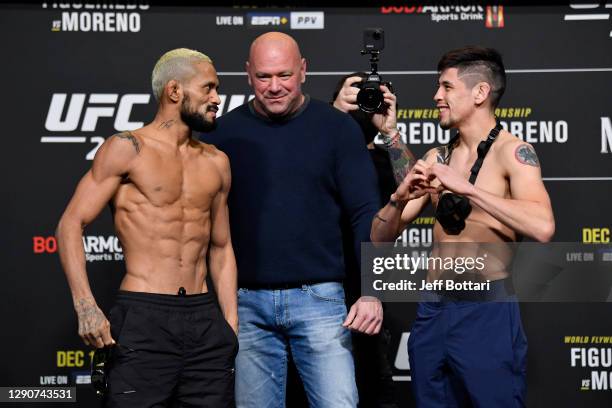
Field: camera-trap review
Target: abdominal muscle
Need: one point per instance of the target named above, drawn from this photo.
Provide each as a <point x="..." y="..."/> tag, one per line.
<point x="164" y="247"/>
<point x="482" y="235"/>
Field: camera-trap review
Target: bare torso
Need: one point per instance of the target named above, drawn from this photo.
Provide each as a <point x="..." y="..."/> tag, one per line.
<point x="488" y="234"/>
<point x="162" y="214"/>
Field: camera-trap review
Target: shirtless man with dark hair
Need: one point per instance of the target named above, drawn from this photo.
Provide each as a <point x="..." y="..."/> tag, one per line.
<point x="169" y="193"/>
<point x="471" y="352"/>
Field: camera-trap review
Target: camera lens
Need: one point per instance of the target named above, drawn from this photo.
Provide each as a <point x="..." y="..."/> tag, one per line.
<point x="370" y="99"/>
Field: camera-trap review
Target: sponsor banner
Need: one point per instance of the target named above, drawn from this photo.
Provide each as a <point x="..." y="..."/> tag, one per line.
<point x="99" y="17"/>
<point x="267" y="20"/>
<point x="229" y="20"/>
<point x="97" y="247"/>
<point x="452" y="13"/>
<point x="592" y="357"/>
<point x="307" y="20"/>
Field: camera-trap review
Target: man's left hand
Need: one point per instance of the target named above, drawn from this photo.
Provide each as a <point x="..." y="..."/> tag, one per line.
<point x="386" y="122"/>
<point x="365" y="316"/>
<point x="450" y="179"/>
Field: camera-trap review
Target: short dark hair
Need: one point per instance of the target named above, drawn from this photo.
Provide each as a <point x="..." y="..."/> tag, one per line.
<point x="487" y="62"/>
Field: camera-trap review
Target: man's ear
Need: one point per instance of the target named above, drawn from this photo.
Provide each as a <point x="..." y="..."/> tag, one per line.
<point x="303" y="70"/>
<point x="481" y="92"/>
<point x="247" y="67"/>
<point x="174" y="91"/>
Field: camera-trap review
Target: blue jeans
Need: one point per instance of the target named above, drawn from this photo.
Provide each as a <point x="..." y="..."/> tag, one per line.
<point x="308" y="320"/>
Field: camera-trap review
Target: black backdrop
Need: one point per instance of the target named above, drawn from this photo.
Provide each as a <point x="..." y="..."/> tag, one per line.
<point x="74" y="74"/>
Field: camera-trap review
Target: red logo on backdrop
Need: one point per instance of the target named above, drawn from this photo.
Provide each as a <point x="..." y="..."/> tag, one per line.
<point x="401" y="9"/>
<point x="44" y="245"/>
<point x="495" y="17"/>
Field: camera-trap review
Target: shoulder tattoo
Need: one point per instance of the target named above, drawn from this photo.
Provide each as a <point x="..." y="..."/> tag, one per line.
<point x="131" y="138"/>
<point x="525" y="154"/>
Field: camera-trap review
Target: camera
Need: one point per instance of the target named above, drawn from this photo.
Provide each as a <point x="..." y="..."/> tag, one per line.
<point x="370" y="97"/>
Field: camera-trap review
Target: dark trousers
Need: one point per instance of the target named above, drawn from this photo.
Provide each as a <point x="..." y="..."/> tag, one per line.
<point x="173" y="351"/>
<point x="466" y="353"/>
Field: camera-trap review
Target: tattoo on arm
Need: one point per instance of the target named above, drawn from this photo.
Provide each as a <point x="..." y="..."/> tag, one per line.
<point x="131" y="138"/>
<point x="526" y="154"/>
<point x="441" y="154"/>
<point x="380" y="218"/>
<point x="402" y="159"/>
<point x="166" y="124"/>
<point x="90" y="316"/>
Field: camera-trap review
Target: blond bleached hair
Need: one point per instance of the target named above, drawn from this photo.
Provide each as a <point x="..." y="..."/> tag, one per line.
<point x="175" y="64"/>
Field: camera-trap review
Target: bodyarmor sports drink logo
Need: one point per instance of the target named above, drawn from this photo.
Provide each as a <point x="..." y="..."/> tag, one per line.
<point x="594" y="13"/>
<point x="440" y="13"/>
<point x="82" y="113"/>
<point x="97" y="247"/>
<point x="108" y="16"/>
<point x="495" y="17"/>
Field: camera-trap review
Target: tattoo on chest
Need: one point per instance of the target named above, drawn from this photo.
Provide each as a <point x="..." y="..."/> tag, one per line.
<point x="131" y="138"/>
<point x="526" y="154"/>
<point x="166" y="124"/>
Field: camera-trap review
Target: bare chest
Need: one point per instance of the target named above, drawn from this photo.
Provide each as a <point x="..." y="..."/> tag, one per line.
<point x="163" y="179"/>
<point x="492" y="176"/>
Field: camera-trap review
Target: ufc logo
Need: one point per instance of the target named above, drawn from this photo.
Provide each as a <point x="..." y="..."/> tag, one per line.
<point x="98" y="105"/>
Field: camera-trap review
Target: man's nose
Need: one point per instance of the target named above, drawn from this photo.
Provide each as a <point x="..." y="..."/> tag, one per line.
<point x="215" y="98"/>
<point x="274" y="84"/>
<point x="437" y="96"/>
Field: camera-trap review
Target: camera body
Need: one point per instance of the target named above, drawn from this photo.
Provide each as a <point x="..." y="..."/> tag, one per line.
<point x="370" y="97"/>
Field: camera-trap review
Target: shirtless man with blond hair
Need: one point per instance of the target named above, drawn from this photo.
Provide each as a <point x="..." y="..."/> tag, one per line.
<point x="471" y="352"/>
<point x="168" y="192"/>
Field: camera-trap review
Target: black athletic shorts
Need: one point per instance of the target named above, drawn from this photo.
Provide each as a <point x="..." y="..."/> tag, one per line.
<point x="173" y="351"/>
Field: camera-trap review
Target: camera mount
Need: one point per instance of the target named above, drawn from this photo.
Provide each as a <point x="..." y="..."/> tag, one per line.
<point x="373" y="59"/>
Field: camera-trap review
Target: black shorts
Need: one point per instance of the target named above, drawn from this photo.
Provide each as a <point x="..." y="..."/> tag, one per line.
<point x="173" y="351"/>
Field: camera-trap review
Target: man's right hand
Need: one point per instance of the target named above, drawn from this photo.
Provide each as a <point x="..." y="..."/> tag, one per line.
<point x="415" y="184"/>
<point x="94" y="328"/>
<point x="346" y="100"/>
